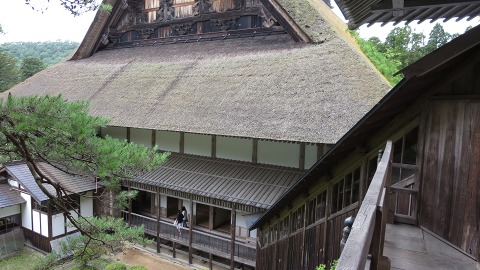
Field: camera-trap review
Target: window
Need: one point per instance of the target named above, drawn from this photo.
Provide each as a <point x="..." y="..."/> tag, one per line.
<point x="297" y="219"/>
<point x="346" y="191"/>
<point x="316" y="208"/>
<point x="405" y="152"/>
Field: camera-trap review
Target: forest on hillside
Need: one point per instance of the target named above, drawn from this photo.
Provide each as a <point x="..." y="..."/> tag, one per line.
<point x="50" y="52"/>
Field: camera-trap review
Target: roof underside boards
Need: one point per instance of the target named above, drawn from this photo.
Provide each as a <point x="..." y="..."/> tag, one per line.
<point x="261" y="87"/>
<point x="429" y="72"/>
<point x="373" y="11"/>
<point x="72" y="184"/>
<point x="233" y="181"/>
<point x="9" y="197"/>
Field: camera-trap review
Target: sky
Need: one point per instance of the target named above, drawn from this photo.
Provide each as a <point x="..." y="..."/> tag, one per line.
<point x="21" y="23"/>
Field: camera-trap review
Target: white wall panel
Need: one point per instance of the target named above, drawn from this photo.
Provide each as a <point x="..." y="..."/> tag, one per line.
<point x="74" y="215"/>
<point x="168" y="141"/>
<point x="86" y="205"/>
<point x="234" y="148"/>
<point x="278" y="153"/>
<point x="10" y="211"/>
<point x="115" y="132"/>
<point x="58" y="225"/>
<point x="141" y="136"/>
<point x="198" y="144"/>
<point x="27" y="212"/>
<point x="36" y="221"/>
<point x="44" y="221"/>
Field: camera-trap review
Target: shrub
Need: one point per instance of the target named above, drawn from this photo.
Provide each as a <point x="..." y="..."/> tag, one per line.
<point x="116" y="266"/>
<point x="138" y="267"/>
<point x="47" y="262"/>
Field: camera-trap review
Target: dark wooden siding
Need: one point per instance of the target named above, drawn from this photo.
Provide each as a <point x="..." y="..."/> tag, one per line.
<point x="450" y="201"/>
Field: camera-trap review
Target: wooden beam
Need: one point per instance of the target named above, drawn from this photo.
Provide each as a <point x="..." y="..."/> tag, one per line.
<point x="182" y="143"/>
<point x="154" y="132"/>
<point x="301" y="160"/>
<point x="158" y="221"/>
<point x="128" y="135"/>
<point x="190" y="232"/>
<point x="255" y="151"/>
<point x="214" y="146"/>
<point x="284" y="19"/>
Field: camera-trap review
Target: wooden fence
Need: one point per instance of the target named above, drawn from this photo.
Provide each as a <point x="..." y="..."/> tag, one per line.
<point x="368" y="230"/>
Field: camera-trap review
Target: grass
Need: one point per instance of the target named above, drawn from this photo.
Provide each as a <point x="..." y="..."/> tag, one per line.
<point x="26" y="259"/>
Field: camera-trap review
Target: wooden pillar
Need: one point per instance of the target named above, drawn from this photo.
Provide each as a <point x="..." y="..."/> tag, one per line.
<point x="214" y="146"/>
<point x="158" y="221"/>
<point x="49" y="218"/>
<point x="153" y="137"/>
<point x="210" y="261"/>
<point x="190" y="232"/>
<point x="325" y="229"/>
<point x="301" y="162"/>
<point x="232" y="231"/>
<point x="363" y="181"/>
<point x="302" y="263"/>
<point x="255" y="151"/>
<point x="211" y="216"/>
<point x="128" y="135"/>
<point x="182" y="142"/>
<point x="129" y="207"/>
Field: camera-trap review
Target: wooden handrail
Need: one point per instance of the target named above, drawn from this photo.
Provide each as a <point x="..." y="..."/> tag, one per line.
<point x="355" y="252"/>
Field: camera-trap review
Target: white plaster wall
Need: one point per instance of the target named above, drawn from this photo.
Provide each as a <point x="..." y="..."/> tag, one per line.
<point x="240" y="220"/>
<point x="58" y="225"/>
<point x="163" y="201"/>
<point x="253" y="233"/>
<point x="198" y="144"/>
<point x="44" y="221"/>
<point x="115" y="132"/>
<point x="10" y="211"/>
<point x="141" y="136"/>
<point x="74" y="215"/>
<point x="13" y="183"/>
<point x="36" y="221"/>
<point x="234" y="148"/>
<point x="168" y="141"/>
<point x="86" y="205"/>
<point x="26" y="212"/>
<point x="310" y="155"/>
<point x="278" y="153"/>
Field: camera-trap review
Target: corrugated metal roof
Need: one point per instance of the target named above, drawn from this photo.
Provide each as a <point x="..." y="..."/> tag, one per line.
<point x="373" y="11"/>
<point x="9" y="197"/>
<point x="234" y="181"/>
<point x="72" y="184"/>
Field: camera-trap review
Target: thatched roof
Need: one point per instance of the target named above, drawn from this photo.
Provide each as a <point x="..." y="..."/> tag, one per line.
<point x="261" y="87"/>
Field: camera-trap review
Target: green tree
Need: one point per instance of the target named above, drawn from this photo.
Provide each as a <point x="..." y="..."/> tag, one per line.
<point x="9" y="73"/>
<point x="437" y="38"/>
<point x="31" y="66"/>
<point x="75" y="7"/>
<point x="64" y="135"/>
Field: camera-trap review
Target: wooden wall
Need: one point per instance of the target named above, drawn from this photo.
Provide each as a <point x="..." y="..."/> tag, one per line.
<point x="450" y="198"/>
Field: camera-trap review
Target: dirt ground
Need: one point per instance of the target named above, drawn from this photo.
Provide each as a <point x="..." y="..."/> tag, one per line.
<point x="132" y="256"/>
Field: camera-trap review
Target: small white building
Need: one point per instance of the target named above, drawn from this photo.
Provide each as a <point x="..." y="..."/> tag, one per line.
<point x="23" y="204"/>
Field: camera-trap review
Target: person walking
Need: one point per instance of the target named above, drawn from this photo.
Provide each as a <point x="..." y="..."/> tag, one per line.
<point x="185" y="217"/>
<point x="179" y="221"/>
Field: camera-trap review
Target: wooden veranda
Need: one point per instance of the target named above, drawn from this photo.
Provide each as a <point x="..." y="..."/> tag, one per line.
<point x="193" y="241"/>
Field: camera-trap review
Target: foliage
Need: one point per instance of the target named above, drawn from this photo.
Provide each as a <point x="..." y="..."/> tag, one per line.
<point x="49" y="52"/>
<point x="47" y="262"/>
<point x="116" y="266"/>
<point x="31" y="66"/>
<point x="379" y="60"/>
<point x="63" y="134"/>
<point x="112" y="234"/>
<point x="138" y="267"/>
<point x="9" y="74"/>
<point x="333" y="266"/>
<point x="75" y="7"/>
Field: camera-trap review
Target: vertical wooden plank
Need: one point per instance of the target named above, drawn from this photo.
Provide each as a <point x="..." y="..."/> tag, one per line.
<point x="129" y="208"/>
<point x="158" y="221"/>
<point x="232" y="236"/>
<point x="154" y="137"/>
<point x="190" y="232"/>
<point x="182" y="142"/>
<point x="255" y="151"/>
<point x="301" y="160"/>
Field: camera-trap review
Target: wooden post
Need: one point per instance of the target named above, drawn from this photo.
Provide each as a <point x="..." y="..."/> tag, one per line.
<point x="49" y="215"/>
<point x="301" y="159"/>
<point x="211" y="215"/>
<point x="190" y="233"/>
<point x="255" y="151"/>
<point x="182" y="142"/>
<point x="128" y="135"/>
<point x="153" y="137"/>
<point x="302" y="263"/>
<point x="210" y="261"/>
<point x="232" y="230"/>
<point x="158" y="222"/>
<point x="129" y="207"/>
<point x="214" y="146"/>
<point x="325" y="229"/>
